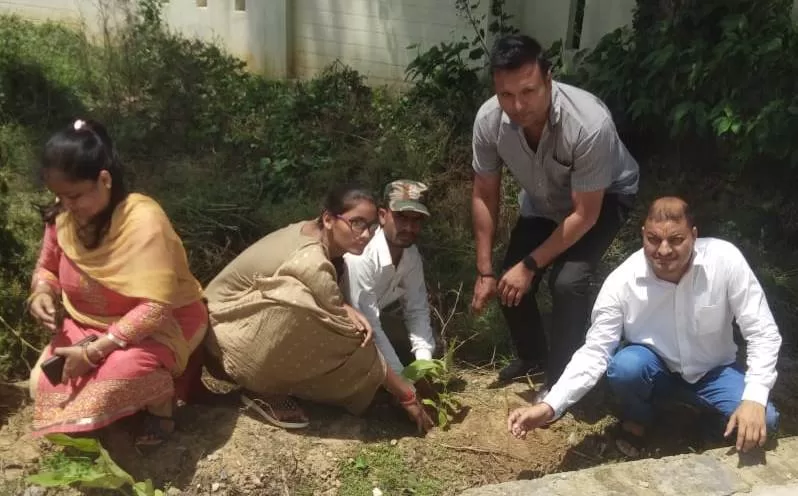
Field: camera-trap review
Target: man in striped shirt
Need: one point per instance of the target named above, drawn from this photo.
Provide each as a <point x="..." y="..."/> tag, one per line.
<point x="578" y="182"/>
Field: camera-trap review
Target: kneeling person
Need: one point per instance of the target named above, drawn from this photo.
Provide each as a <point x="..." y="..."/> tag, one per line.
<point x="673" y="303"/>
<point x="386" y="282"/>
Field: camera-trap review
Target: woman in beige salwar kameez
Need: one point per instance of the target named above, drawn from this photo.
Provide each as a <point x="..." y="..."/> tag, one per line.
<point x="280" y="326"/>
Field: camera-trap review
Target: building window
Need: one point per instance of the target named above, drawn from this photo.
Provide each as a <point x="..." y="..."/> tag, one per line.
<point x="241" y="5"/>
<point x="202" y="3"/>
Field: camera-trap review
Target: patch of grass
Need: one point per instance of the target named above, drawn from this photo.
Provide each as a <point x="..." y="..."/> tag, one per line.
<point x="383" y="466"/>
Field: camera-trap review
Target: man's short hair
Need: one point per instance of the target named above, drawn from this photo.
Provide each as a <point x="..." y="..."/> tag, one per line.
<point x="670" y="208"/>
<point x="512" y="51"/>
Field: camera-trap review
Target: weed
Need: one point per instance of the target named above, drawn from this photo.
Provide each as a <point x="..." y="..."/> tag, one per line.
<point x="87" y="464"/>
<point x="383" y="466"/>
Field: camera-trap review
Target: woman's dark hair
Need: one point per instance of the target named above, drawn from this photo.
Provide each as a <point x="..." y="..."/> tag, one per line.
<point x="80" y="152"/>
<point x="515" y="50"/>
<point x="343" y="198"/>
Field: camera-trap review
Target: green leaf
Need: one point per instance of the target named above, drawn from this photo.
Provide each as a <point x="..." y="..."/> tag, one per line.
<point x="681" y="110"/>
<point x="722" y="125"/>
<point x="422" y="368"/>
<point x="145" y="489"/>
<point x="105" y="461"/>
<point x="86" y="445"/>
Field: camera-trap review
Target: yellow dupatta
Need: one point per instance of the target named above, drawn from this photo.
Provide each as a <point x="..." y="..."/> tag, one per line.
<point x="140" y="257"/>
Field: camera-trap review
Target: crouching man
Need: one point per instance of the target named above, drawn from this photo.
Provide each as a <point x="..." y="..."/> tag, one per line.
<point x="386" y="282"/>
<point x="672" y="304"/>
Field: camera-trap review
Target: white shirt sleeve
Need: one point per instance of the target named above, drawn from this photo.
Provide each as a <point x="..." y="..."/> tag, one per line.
<point x="360" y="278"/>
<point x="416" y="311"/>
<point x="590" y="361"/>
<point x="750" y="307"/>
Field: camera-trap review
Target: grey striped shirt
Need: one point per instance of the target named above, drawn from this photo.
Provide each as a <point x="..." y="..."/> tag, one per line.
<point x="580" y="150"/>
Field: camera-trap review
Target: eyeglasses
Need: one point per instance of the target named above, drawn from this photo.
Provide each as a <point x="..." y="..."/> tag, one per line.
<point x="359" y="226"/>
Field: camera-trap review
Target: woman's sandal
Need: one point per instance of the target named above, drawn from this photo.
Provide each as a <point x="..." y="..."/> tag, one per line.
<point x="155" y="430"/>
<point x="268" y="408"/>
<point x="628" y="444"/>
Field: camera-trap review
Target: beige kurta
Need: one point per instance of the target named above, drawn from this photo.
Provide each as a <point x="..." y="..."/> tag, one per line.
<point x="278" y="325"/>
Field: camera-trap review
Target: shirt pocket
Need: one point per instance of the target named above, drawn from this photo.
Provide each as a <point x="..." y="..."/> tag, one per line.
<point x="710" y="319"/>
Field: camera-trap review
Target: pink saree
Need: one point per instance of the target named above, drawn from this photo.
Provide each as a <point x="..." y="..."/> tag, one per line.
<point x="144" y="374"/>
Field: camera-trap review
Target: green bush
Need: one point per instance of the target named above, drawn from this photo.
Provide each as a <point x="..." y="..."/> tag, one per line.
<point x="230" y="155"/>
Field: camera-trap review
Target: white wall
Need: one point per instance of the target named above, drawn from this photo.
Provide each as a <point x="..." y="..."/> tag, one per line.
<point x="282" y="38"/>
<point x="256" y="34"/>
<point x="602" y="17"/>
<point x="369" y="35"/>
<point x="546" y="20"/>
<point x="83" y="13"/>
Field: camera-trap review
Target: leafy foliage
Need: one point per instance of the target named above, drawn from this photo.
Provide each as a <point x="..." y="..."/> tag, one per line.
<point x="449" y="77"/>
<point x="437" y="372"/>
<point x="718" y="73"/>
<point x="90" y="467"/>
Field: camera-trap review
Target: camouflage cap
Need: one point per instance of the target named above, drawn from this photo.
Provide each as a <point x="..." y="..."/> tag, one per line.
<point x="404" y="195"/>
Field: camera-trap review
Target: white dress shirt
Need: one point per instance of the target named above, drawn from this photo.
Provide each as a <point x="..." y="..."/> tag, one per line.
<point x="689" y="324"/>
<point x="371" y="283"/>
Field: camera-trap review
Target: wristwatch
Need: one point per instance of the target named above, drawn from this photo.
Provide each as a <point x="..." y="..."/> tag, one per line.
<point x="530" y="263"/>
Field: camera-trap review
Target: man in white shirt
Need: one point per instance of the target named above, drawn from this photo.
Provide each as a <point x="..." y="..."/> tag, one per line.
<point x="673" y="303"/>
<point x="386" y="282"/>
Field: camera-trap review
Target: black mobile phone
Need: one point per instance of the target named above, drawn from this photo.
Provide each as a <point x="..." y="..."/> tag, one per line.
<point x="53" y="367"/>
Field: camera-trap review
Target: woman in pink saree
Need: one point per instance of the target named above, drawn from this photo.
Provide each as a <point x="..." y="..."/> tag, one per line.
<point x="112" y="267"/>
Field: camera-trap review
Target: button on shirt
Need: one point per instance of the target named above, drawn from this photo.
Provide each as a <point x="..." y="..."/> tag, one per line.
<point x="689" y="324"/>
<point x="580" y="150"/>
<point x="371" y="283"/>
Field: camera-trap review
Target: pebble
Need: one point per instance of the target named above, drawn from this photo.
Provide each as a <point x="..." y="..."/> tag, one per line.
<point x="212" y="457"/>
<point x="573" y="439"/>
<point x="215" y="487"/>
<point x="173" y="491"/>
<point x="34" y="491"/>
<point x="256" y="480"/>
<point x="394" y="442"/>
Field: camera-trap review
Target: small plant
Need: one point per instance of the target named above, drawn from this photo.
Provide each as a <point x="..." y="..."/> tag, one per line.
<point x="85" y="462"/>
<point x="438" y="374"/>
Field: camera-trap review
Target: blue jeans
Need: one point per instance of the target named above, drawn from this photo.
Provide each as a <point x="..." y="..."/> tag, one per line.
<point x="638" y="378"/>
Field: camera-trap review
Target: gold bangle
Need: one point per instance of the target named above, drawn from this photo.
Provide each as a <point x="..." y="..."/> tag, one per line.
<point x="88" y="360"/>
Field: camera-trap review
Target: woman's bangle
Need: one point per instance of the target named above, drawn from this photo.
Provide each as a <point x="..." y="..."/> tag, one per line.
<point x="117" y="341"/>
<point x="487" y="274"/>
<point x="409" y="398"/>
<point x="86" y="357"/>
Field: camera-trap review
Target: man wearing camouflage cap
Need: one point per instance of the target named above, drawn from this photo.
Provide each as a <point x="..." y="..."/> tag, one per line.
<point x="386" y="282"/>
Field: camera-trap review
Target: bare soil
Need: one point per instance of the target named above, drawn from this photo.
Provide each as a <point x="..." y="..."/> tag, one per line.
<point x="221" y="450"/>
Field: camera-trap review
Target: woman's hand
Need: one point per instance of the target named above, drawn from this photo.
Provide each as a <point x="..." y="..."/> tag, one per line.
<point x="42" y="309"/>
<point x="75" y="365"/>
<point x="418" y="415"/>
<point x="361" y="323"/>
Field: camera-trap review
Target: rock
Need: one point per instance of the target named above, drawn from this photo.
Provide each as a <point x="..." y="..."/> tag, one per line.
<point x="394" y="442"/>
<point x="212" y="457"/>
<point x="215" y="487"/>
<point x="35" y="491"/>
<point x="256" y="480"/>
<point x="173" y="491"/>
<point x="376" y="492"/>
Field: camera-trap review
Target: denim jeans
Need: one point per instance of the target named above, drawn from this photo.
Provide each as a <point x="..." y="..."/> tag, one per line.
<point x="638" y="377"/>
<point x="569" y="283"/>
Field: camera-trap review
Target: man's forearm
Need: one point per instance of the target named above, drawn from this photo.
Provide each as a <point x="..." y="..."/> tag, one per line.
<point x="484" y="218"/>
<point x="566" y="235"/>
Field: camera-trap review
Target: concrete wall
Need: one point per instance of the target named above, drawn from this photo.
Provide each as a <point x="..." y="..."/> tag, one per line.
<point x="297" y="38"/>
<point x="602" y="17"/>
<point x="370" y="35"/>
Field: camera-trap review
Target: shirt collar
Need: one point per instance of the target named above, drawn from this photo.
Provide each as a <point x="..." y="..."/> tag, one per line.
<point x="382" y="250"/>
